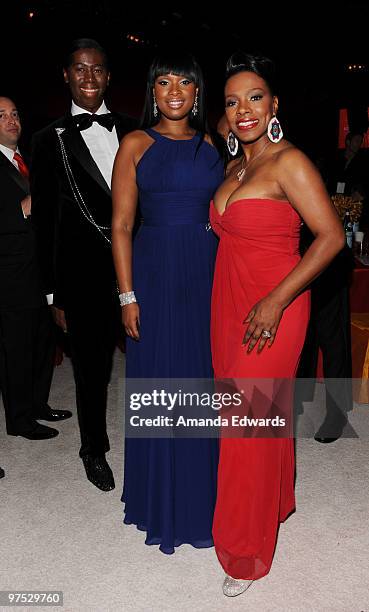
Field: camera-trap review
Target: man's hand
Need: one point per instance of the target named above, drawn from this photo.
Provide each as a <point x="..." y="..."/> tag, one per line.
<point x="59" y="318"/>
<point x="26" y="206"/>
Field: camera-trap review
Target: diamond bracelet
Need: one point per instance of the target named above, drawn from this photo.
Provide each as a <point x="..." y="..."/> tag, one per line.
<point x="127" y="298"/>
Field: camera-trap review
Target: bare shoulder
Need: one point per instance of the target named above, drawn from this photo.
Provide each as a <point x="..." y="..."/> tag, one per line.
<point x="296" y="174"/>
<point x="291" y="158"/>
<point x="134" y="139"/>
<point x="133" y="146"/>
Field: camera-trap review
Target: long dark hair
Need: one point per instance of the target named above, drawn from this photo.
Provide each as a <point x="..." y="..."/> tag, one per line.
<point x="259" y="64"/>
<point x="179" y="64"/>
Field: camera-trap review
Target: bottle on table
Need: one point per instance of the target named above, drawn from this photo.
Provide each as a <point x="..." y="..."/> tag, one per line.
<point x="348" y="227"/>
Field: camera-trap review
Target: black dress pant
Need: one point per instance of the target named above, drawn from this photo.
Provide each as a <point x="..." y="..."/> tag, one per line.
<point x="92" y="330"/>
<point x="329" y="329"/>
<point x="27" y="351"/>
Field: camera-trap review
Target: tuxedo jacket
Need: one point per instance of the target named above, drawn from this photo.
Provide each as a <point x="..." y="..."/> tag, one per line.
<point x="19" y="276"/>
<point x="75" y="258"/>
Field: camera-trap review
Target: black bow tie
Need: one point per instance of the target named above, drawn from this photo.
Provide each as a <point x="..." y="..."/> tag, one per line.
<point x="85" y="120"/>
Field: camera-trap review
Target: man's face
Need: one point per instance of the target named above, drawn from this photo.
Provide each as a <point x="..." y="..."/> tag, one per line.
<point x="10" y="127"/>
<point x="88" y="78"/>
<point x="356" y="142"/>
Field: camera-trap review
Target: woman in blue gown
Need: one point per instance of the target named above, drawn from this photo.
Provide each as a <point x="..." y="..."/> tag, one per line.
<point x="173" y="169"/>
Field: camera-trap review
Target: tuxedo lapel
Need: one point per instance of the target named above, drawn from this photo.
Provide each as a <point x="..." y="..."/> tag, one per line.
<point x="21" y="180"/>
<point x="74" y="142"/>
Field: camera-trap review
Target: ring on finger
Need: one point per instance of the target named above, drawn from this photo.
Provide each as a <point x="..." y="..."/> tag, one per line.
<point x="266" y="333"/>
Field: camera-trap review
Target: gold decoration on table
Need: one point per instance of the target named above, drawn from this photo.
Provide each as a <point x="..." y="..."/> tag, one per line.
<point x="343" y="203"/>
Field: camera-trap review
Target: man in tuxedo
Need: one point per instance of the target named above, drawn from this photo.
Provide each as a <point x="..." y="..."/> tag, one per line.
<point x="72" y="163"/>
<point x="26" y="331"/>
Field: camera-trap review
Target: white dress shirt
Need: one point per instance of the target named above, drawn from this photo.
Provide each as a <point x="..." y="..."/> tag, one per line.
<point x="9" y="153"/>
<point x="102" y="144"/>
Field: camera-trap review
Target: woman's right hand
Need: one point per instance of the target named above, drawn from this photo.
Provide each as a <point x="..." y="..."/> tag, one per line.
<point x="131" y="320"/>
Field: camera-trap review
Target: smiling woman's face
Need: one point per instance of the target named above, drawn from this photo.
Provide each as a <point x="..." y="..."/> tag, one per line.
<point x="88" y="78"/>
<point x="249" y="105"/>
<point x="175" y="95"/>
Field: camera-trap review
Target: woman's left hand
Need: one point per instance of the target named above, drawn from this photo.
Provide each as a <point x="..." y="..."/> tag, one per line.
<point x="263" y="317"/>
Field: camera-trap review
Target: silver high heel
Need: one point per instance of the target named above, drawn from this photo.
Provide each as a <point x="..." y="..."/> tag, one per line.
<point x="233" y="587"/>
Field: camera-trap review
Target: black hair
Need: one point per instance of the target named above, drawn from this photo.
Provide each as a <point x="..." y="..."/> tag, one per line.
<point x="180" y="64"/>
<point x="258" y="64"/>
<point x="83" y="43"/>
<point x="352" y="133"/>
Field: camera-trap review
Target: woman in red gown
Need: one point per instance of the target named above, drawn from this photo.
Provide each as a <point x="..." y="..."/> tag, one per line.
<point x="260" y="310"/>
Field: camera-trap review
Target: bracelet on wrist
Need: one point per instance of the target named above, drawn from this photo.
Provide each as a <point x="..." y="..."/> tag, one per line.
<point x="127" y="298"/>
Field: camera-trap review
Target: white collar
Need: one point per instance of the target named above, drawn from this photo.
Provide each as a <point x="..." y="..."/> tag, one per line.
<point x="9" y="153"/>
<point x="77" y="110"/>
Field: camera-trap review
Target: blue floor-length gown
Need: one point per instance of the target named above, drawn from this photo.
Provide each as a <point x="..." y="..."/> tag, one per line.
<point x="170" y="484"/>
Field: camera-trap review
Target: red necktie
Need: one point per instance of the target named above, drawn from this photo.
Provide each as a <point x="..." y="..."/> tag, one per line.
<point x="21" y="165"/>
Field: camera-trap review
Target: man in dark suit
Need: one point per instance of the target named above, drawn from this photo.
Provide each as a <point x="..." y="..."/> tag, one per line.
<point x="72" y="164"/>
<point x="328" y="330"/>
<point x="26" y="332"/>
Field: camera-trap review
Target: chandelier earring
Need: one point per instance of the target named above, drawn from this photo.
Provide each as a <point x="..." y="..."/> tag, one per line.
<point x="195" y="108"/>
<point x="275" y="132"/>
<point x="155" y="107"/>
<point x="232" y="144"/>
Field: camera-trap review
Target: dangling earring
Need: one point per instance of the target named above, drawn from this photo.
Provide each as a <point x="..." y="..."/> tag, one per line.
<point x="232" y="144"/>
<point x="275" y="133"/>
<point x="195" y="108"/>
<point x="156" y="112"/>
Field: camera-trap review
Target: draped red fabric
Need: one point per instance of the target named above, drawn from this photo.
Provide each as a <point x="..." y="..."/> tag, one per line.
<point x="258" y="248"/>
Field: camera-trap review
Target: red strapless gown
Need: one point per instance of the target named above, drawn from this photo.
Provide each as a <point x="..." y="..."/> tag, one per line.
<point x="258" y="247"/>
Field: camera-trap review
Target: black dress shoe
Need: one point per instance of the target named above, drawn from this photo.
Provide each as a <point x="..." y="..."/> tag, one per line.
<point x="98" y="472"/>
<point x="40" y="432"/>
<point x="2" y="473"/>
<point x="50" y="414"/>
<point x="325" y="439"/>
<point x="328" y="433"/>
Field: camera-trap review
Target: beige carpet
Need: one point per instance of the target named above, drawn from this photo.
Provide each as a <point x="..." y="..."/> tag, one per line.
<point x="58" y="532"/>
